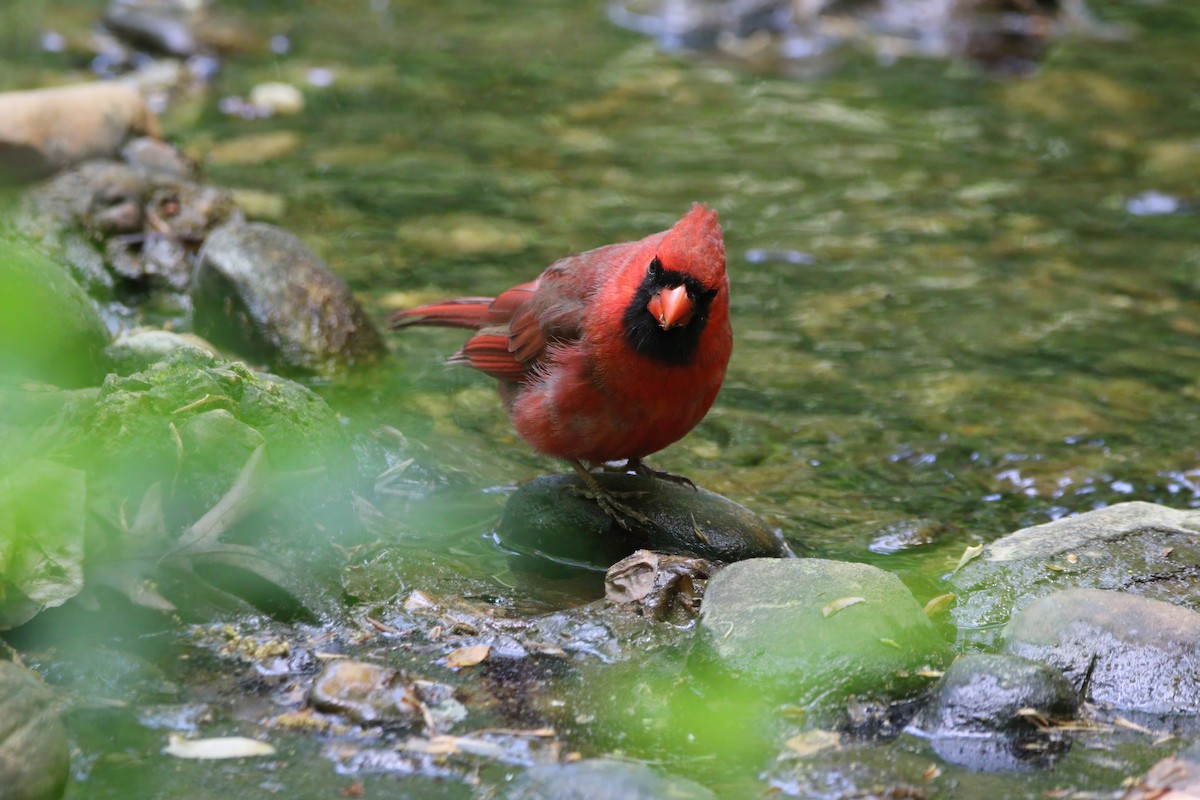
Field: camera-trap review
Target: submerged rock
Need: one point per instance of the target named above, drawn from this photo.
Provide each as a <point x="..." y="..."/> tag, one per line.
<point x="988" y="713"/>
<point x="49" y="329"/>
<point x="47" y="129"/>
<point x="986" y="693"/>
<point x="816" y="631"/>
<point x="547" y="517"/>
<point x="1142" y="548"/>
<point x="1117" y="649"/>
<point x="366" y="694"/>
<point x="602" y="779"/>
<point x="33" y="741"/>
<point x="260" y="292"/>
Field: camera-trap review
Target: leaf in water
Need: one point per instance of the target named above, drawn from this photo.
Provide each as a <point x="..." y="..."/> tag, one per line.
<point x="970" y="554"/>
<point x="42" y="521"/>
<point x="940" y="604"/>
<point x="631" y="579"/>
<point x="222" y="747"/>
<point x="467" y="656"/>
<point x="834" y="606"/>
<point x="240" y="500"/>
<point x="813" y="742"/>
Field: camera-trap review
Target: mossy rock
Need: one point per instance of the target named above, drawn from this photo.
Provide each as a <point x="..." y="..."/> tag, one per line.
<point x="49" y="330"/>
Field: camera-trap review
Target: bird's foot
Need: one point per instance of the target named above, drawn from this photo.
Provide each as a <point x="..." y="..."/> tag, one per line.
<point x="622" y="514"/>
<point x="606" y="500"/>
<point x="639" y="467"/>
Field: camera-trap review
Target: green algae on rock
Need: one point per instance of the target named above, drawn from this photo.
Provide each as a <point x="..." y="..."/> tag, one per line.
<point x="790" y="626"/>
<point x="49" y="330"/>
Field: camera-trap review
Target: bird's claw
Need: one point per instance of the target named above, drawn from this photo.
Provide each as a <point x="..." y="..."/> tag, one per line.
<point x="619" y="512"/>
<point x="641" y="469"/>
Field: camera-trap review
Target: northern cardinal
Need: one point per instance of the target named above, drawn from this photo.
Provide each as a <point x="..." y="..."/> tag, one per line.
<point x="608" y="355"/>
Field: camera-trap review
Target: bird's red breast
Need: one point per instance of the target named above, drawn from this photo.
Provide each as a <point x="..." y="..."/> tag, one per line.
<point x="610" y="354"/>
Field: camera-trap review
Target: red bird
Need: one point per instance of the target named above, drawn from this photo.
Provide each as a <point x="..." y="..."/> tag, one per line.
<point x="608" y="355"/>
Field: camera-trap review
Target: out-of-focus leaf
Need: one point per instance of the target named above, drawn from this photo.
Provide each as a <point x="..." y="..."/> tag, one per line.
<point x="223" y="747"/>
<point x="240" y="500"/>
<point x="42" y="520"/>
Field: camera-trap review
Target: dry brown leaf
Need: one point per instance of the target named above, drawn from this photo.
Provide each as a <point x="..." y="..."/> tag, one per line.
<point x="940" y="604"/>
<point x="222" y="747"/>
<point x="812" y="742"/>
<point x="467" y="656"/>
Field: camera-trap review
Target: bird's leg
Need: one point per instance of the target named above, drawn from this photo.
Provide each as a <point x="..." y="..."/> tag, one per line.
<point x="638" y="467"/>
<point x="607" y="501"/>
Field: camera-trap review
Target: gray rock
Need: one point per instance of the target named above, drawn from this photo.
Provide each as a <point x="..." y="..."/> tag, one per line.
<point x="818" y="631"/>
<point x="49" y="330"/>
<point x="1117" y="649"/>
<point x="546" y="518"/>
<point x="33" y="741"/>
<point x="602" y="779"/>
<point x="260" y="292"/>
<point x="158" y="28"/>
<point x="1141" y="548"/>
<point x="983" y="694"/>
<point x="158" y="159"/>
<point x="367" y="694"/>
<point x="134" y="351"/>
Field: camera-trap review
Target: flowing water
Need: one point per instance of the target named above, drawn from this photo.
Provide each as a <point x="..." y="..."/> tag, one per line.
<point x="948" y="322"/>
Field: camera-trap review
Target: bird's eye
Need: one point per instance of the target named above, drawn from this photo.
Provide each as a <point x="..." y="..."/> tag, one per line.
<point x="656" y="268"/>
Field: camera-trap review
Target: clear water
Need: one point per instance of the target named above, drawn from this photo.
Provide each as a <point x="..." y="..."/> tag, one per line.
<point x="986" y="337"/>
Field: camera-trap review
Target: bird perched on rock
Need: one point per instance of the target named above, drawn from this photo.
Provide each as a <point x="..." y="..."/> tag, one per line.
<point x="608" y="355"/>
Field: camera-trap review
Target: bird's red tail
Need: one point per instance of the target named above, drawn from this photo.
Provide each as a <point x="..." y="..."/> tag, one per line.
<point x="464" y="312"/>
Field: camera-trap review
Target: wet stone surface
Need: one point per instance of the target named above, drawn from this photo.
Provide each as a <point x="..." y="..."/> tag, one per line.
<point x="33" y="740"/>
<point x="262" y="293"/>
<point x="601" y="779"/>
<point x="547" y="517"/>
<point x="1141" y="548"/>
<point x="1118" y="650"/>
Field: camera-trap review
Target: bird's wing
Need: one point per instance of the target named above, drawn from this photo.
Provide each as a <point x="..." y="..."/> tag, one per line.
<point x="551" y="309"/>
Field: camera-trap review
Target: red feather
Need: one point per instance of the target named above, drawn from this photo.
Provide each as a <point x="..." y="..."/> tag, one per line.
<point x="578" y="383"/>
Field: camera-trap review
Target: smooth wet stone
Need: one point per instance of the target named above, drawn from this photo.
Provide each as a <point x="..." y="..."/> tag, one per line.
<point x="1119" y="650"/>
<point x="135" y="350"/>
<point x="158" y="159"/>
<point x="49" y="330"/>
<point x="986" y="693"/>
<point x="260" y="292"/>
<point x="47" y="129"/>
<point x="816" y="630"/>
<point x="1141" y="548"/>
<point x="158" y="27"/>
<point x="367" y="694"/>
<point x="33" y="741"/>
<point x="602" y="779"/>
<point x="545" y="517"/>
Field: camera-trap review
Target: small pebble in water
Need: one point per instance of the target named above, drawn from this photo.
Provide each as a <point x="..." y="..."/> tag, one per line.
<point x="320" y="77"/>
<point x="53" y="42"/>
<point x="1154" y="204"/>
<point x="757" y="255"/>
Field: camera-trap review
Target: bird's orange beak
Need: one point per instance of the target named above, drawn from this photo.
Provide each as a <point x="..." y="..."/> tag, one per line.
<point x="671" y="307"/>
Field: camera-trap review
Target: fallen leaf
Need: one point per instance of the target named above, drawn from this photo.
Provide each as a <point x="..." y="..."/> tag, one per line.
<point x="970" y="554"/>
<point x="221" y="747"/>
<point x="467" y="656"/>
<point x="940" y="604"/>
<point x="812" y="742"/>
<point x="834" y="606"/>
